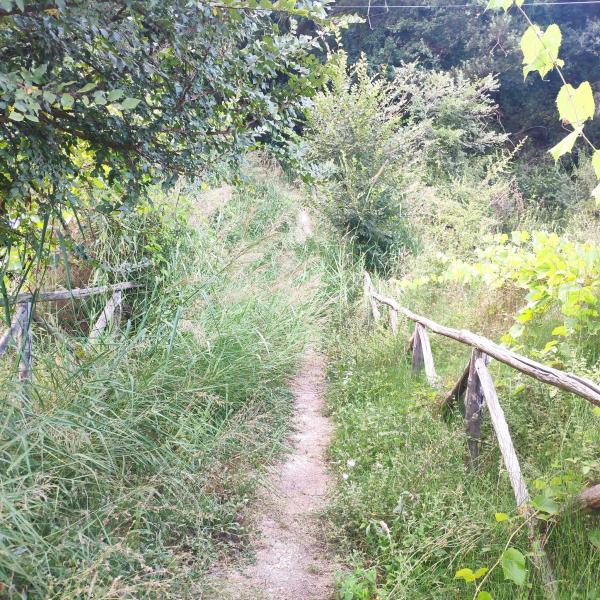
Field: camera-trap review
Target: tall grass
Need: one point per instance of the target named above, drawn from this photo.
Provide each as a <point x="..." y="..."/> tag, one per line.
<point x="126" y="464"/>
<point x="409" y="512"/>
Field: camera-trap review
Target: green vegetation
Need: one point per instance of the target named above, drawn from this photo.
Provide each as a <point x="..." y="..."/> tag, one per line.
<point x="128" y="460"/>
<point x="127" y="463"/>
<point x="410" y="512"/>
<point x="414" y="519"/>
<point x="101" y="100"/>
<point x="479" y="42"/>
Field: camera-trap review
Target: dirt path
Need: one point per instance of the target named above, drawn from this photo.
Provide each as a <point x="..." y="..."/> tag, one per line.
<point x="292" y="562"/>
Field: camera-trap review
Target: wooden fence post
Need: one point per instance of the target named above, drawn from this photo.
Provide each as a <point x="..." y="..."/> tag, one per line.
<point x="422" y="357"/>
<point x="511" y="462"/>
<point x="368" y="289"/>
<point x="394" y="321"/>
<point x="11" y="332"/>
<point x="25" y="341"/>
<point x="417" y="351"/>
<point x="109" y="312"/>
<point x="473" y="407"/>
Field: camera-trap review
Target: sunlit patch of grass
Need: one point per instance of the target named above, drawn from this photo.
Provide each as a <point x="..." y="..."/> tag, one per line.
<point x="128" y="463"/>
<point x="409" y="508"/>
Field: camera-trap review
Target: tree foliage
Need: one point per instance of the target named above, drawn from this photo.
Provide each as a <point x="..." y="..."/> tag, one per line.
<point x="482" y="42"/>
<point x="99" y="100"/>
<point x="370" y="140"/>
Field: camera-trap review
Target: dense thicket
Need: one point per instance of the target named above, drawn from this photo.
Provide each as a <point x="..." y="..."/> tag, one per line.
<point x="481" y="43"/>
<point x="98" y="100"/>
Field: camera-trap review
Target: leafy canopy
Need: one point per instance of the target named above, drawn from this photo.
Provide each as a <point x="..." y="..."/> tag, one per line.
<point x="99" y="100"/>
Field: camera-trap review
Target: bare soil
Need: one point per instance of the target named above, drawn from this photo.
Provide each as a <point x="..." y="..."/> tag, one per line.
<point x="292" y="561"/>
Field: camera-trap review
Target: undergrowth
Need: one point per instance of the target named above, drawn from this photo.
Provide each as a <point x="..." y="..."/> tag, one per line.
<point x="127" y="463"/>
<point x="409" y="511"/>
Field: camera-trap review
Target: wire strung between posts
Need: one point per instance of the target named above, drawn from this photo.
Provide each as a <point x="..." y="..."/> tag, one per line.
<point x="476" y="6"/>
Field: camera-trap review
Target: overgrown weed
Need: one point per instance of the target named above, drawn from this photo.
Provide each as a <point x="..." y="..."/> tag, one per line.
<point x="127" y="463"/>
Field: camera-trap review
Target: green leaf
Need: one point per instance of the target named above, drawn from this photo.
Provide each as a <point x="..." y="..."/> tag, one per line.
<point x="549" y="345"/>
<point x="513" y="566"/>
<point x="596" y="411"/>
<point x="545" y="504"/>
<point x="49" y="97"/>
<point x="596" y="162"/>
<point x="516" y="331"/>
<point x="130" y="103"/>
<point x="501" y="517"/>
<point x="596" y="194"/>
<point x="16" y="116"/>
<point x="560" y="330"/>
<point x="540" y="50"/>
<point x="576" y="105"/>
<point x="88" y="87"/>
<point x="505" y="4"/>
<point x="115" y="94"/>
<point x="66" y="101"/>
<point x="594" y="537"/>
<point x="99" y="98"/>
<point x="566" y="144"/>
<point x="466" y="574"/>
<point x="484" y="596"/>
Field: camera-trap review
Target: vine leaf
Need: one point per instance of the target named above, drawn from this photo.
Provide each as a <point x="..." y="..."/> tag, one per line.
<point x="566" y="144"/>
<point x="576" y="105"/>
<point x="543" y="502"/>
<point x="596" y="162"/>
<point x="513" y="566"/>
<point x="540" y="50"/>
<point x="596" y="194"/>
<point x="505" y="4"/>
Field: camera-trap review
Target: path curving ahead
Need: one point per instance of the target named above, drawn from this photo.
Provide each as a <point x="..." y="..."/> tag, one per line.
<point x="292" y="562"/>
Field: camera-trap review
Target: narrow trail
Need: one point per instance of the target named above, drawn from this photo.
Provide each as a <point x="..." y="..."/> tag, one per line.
<point x="292" y="562"/>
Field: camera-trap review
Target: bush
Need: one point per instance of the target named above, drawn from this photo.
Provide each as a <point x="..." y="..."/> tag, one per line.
<point x="372" y="143"/>
<point x="354" y="147"/>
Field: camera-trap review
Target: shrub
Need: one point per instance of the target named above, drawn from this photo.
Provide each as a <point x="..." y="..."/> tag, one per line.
<point x="372" y="142"/>
<point x="354" y="146"/>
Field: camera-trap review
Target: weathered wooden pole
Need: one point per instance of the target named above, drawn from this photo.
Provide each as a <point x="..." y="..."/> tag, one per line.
<point x="517" y="482"/>
<point x="473" y="407"/>
<point x="25" y="341"/>
<point x="109" y="312"/>
<point x="418" y="362"/>
<point x="374" y="312"/>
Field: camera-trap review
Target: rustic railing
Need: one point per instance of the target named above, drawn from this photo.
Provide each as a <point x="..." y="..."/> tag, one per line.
<point x="24" y="317"/>
<point x="477" y="387"/>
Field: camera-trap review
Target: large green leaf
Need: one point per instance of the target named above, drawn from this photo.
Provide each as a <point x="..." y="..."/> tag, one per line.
<point x="513" y="566"/>
<point x="540" y="50"/>
<point x="575" y="105"/>
<point x="493" y="4"/>
<point x="543" y="502"/>
<point x="566" y="144"/>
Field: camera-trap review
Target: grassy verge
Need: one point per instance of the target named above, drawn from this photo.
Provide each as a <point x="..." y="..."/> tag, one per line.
<point x="409" y="511"/>
<point x="127" y="464"/>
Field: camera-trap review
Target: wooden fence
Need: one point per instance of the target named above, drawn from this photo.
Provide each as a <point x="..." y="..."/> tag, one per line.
<point x="477" y="387"/>
<point x="24" y="318"/>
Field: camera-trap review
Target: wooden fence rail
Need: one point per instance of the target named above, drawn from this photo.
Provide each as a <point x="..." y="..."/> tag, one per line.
<point x="477" y="386"/>
<point x="24" y="317"/>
